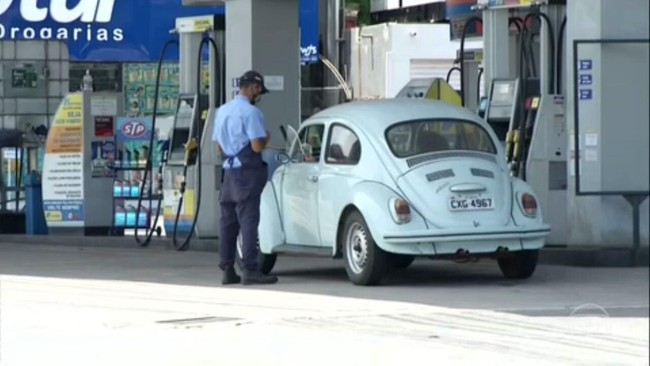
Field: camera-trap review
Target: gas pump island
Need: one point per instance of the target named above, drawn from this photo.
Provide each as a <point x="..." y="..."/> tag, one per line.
<point x="104" y="173"/>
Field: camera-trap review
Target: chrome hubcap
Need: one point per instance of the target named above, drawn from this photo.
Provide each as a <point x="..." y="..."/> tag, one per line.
<point x="357" y="247"/>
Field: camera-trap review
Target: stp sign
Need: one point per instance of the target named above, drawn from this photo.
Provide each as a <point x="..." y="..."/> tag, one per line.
<point x="133" y="128"/>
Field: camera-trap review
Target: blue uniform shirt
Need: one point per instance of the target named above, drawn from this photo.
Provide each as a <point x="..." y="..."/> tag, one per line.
<point x="236" y="124"/>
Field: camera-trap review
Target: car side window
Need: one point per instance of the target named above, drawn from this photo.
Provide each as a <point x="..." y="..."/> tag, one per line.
<point x="310" y="141"/>
<point x="344" y="146"/>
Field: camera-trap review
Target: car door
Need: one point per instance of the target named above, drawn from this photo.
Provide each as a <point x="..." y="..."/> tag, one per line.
<point x="339" y="173"/>
<point x="300" y="187"/>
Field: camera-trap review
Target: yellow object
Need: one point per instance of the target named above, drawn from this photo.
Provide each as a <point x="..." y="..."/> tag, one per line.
<point x="517" y="140"/>
<point x="441" y="90"/>
<point x="202" y="25"/>
<point x="64" y="148"/>
<point x="187" y="211"/>
<point x="190" y="149"/>
<point x="53" y="216"/>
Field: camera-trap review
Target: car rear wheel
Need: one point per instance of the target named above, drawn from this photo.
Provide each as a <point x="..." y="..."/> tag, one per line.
<point x="518" y="265"/>
<point x="365" y="263"/>
<point x="266" y="261"/>
<point x="401" y="261"/>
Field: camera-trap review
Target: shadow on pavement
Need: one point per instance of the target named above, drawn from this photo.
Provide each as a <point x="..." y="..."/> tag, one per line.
<point x="552" y="289"/>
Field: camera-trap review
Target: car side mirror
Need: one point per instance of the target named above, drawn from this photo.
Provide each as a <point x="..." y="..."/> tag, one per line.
<point x="283" y="158"/>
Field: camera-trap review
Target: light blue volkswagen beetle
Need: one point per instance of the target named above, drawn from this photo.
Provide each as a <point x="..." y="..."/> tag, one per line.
<point x="381" y="182"/>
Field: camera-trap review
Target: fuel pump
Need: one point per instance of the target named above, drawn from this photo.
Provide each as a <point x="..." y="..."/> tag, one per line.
<point x="525" y="105"/>
<point x="181" y="177"/>
<point x="531" y="92"/>
<point x="192" y="149"/>
<point x="147" y="240"/>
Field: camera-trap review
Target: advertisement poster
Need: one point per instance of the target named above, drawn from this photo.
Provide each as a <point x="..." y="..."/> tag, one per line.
<point x="133" y="136"/>
<point x="104" y="126"/>
<point x="63" y="166"/>
<point x="140" y="88"/>
<point x="103" y="159"/>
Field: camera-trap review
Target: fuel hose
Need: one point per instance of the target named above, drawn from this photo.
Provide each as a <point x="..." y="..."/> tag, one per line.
<point x="196" y="136"/>
<point x="149" y="161"/>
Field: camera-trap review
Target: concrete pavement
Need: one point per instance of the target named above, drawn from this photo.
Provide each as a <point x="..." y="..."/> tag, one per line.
<point x="80" y="306"/>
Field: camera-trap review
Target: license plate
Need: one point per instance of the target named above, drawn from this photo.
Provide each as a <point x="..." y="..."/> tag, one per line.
<point x="471" y="203"/>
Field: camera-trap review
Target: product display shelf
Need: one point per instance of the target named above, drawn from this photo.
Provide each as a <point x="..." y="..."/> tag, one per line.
<point x="129" y="169"/>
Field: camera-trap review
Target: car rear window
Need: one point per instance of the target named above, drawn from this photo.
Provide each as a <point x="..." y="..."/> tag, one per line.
<point x="411" y="138"/>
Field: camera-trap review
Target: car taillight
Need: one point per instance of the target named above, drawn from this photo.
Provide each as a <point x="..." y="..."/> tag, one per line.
<point x="402" y="210"/>
<point x="529" y="204"/>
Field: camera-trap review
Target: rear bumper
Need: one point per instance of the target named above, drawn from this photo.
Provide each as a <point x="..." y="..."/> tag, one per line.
<point x="485" y="241"/>
<point x="467" y="235"/>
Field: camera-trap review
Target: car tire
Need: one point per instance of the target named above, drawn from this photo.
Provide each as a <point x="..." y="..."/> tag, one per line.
<point x="401" y="261"/>
<point x="365" y="263"/>
<point x="518" y="265"/>
<point x="266" y="261"/>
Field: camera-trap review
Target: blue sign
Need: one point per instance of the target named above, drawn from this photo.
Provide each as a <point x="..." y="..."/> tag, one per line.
<point x="118" y="30"/>
<point x="71" y="210"/>
<point x="585" y="79"/>
<point x="133" y="129"/>
<point x="309" y="31"/>
<point x="585" y="94"/>
<point x="585" y="65"/>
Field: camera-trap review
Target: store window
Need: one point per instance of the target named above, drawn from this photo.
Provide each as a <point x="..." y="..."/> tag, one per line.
<point x="106" y="76"/>
<point x="140" y="88"/>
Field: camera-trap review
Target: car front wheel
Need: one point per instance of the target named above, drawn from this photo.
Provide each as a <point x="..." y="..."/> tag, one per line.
<point x="365" y="263"/>
<point x="266" y="261"/>
<point x="518" y="265"/>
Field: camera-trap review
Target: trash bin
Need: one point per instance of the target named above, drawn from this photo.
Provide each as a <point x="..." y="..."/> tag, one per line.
<point x="35" y="216"/>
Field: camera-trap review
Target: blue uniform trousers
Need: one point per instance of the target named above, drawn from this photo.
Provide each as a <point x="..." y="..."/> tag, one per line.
<point x="240" y="208"/>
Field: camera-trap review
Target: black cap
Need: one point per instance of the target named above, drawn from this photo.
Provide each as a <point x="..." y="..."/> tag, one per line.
<point x="253" y="77"/>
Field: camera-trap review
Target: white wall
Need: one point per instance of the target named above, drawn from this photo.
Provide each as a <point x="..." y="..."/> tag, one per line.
<point x="395" y="48"/>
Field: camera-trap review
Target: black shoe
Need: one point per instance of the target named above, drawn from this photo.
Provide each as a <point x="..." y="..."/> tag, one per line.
<point x="230" y="276"/>
<point x="257" y="278"/>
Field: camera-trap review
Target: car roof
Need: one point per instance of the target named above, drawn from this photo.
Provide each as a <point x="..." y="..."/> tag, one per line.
<point x="386" y="112"/>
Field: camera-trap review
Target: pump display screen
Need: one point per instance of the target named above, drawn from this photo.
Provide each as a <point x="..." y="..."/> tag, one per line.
<point x="183" y="121"/>
<point x="503" y="92"/>
<point x="503" y="99"/>
<point x="185" y="111"/>
<point x="180" y="139"/>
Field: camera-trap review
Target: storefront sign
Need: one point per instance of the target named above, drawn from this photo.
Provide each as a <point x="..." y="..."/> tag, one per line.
<point x="309" y="31"/>
<point x="63" y="169"/>
<point x="120" y="30"/>
<point x="137" y="129"/>
<point x="24" y="77"/>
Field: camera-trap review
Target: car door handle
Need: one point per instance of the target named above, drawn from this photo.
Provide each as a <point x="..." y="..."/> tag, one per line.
<point x="313" y="178"/>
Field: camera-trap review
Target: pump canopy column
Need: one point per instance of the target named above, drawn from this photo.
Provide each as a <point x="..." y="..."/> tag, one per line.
<point x="265" y="36"/>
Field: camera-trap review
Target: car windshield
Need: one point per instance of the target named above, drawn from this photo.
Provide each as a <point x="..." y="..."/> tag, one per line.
<point x="424" y="136"/>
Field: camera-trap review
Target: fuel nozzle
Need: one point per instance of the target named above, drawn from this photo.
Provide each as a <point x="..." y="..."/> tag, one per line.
<point x="191" y="149"/>
<point x="517" y="144"/>
<point x="509" y="143"/>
